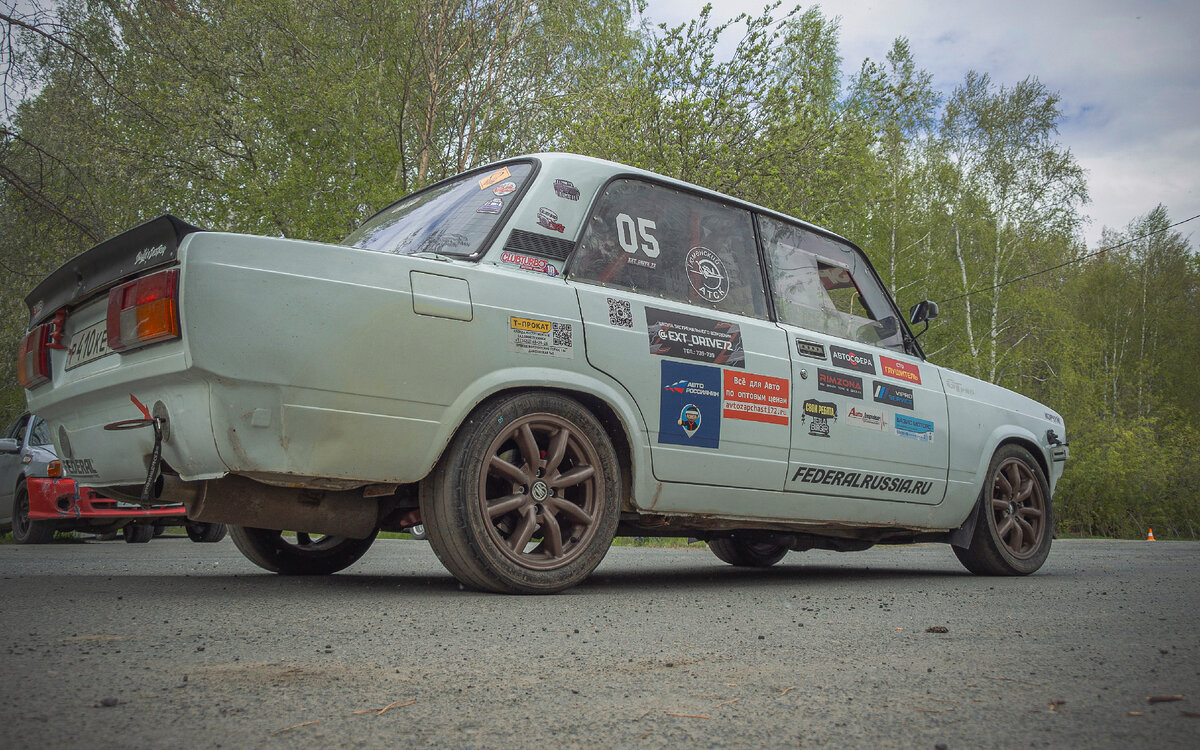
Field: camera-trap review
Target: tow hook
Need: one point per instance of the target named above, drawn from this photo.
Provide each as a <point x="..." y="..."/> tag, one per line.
<point x="159" y="423"/>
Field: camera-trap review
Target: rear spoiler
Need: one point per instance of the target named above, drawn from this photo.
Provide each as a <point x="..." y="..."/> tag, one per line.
<point x="146" y="246"/>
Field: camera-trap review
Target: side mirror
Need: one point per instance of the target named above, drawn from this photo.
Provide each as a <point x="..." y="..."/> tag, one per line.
<point x="9" y="445"/>
<point x="923" y="312"/>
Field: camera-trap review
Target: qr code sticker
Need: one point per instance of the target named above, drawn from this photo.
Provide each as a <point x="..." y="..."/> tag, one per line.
<point x="619" y="313"/>
<point x="561" y="333"/>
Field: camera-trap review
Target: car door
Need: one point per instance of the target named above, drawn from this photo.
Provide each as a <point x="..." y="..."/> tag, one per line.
<point x="672" y="299"/>
<point x="871" y="419"/>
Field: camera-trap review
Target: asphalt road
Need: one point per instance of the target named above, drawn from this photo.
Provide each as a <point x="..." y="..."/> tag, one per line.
<point x="175" y="644"/>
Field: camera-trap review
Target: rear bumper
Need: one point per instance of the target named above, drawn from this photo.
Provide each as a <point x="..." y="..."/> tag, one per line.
<point x="64" y="500"/>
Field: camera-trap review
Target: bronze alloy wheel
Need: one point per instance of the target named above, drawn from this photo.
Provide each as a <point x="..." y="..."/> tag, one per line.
<point x="540" y="491"/>
<point x="1018" y="507"/>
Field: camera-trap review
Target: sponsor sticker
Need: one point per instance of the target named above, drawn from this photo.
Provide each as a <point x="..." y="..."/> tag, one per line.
<point x="564" y="189"/>
<point x="1054" y="418"/>
<point x="549" y="220"/>
<point x="691" y="337"/>
<point x="852" y="360"/>
<point x="818" y="414"/>
<point x="494" y="206"/>
<point x="528" y="263"/>
<point x="957" y="387"/>
<point x="500" y="174"/>
<point x="871" y="420"/>
<point x="912" y="427"/>
<point x="756" y="398"/>
<point x="894" y="368"/>
<point x="532" y="336"/>
<point x="861" y="480"/>
<point x="810" y="349"/>
<point x="150" y="254"/>
<point x="706" y="274"/>
<point x="79" y="467"/>
<point x="892" y="394"/>
<point x="839" y="383"/>
<point x="690" y="405"/>
<point x="504" y="188"/>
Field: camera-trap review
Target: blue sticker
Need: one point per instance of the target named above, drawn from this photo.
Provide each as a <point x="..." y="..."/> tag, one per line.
<point x="494" y="206"/>
<point x="690" y="406"/>
<point x="912" y="427"/>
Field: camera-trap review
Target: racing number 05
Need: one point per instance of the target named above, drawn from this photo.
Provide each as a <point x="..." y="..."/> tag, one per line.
<point x="629" y="240"/>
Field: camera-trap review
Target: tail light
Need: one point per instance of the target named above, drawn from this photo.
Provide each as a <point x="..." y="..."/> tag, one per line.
<point x="144" y="311"/>
<point x="33" y="358"/>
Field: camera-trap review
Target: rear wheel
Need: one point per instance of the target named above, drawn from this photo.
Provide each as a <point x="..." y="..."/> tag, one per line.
<point x="1015" y="525"/>
<point x="25" y="531"/>
<point x="301" y="554"/>
<point x="207" y="533"/>
<point x="526" y="498"/>
<point x="136" y="533"/>
<point x="747" y="552"/>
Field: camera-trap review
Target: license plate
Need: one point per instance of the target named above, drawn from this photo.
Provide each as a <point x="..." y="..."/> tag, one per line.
<point x="88" y="345"/>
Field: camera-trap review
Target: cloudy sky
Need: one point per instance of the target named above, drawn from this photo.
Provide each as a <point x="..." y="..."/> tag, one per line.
<point x="1128" y="74"/>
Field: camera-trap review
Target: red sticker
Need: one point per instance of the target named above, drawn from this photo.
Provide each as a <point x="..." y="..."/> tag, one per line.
<point x="757" y="398"/>
<point x="894" y="368"/>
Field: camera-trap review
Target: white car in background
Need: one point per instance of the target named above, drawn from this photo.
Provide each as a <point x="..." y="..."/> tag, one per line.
<point x="528" y="359"/>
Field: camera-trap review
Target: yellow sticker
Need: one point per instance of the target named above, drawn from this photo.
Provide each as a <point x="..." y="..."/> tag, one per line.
<point x="525" y="324"/>
<point x="500" y="174"/>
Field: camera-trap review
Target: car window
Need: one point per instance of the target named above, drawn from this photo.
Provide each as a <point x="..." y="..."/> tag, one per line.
<point x="822" y="284"/>
<point x="40" y="435"/>
<point x="17" y="428"/>
<point x="669" y="243"/>
<point x="450" y="218"/>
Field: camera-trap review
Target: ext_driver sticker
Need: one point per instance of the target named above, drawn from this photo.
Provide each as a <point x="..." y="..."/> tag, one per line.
<point x="691" y="337"/>
<point x="757" y="398"/>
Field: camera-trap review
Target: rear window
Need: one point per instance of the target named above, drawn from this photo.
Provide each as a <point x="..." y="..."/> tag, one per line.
<point x="450" y="218"/>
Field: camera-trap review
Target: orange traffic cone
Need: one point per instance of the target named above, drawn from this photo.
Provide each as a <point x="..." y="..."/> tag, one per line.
<point x="1150" y="536"/>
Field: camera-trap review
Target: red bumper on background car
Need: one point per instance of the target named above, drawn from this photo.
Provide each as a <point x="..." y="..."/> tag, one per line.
<point x="59" y="499"/>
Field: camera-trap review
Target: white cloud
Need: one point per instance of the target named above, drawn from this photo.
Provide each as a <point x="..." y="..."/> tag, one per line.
<point x="1128" y="74"/>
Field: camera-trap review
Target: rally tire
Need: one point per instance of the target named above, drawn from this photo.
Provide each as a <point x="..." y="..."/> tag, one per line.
<point x="1015" y="523"/>
<point x="137" y="533"/>
<point x="25" y="531"/>
<point x="203" y="532"/>
<point x="526" y="498"/>
<point x="307" y="555"/>
<point x="747" y="552"/>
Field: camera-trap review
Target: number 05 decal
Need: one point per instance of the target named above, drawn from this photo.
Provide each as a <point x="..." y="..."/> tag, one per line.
<point x="628" y="236"/>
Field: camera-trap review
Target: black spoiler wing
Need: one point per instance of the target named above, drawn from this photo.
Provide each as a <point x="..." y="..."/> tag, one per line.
<point x="146" y="246"/>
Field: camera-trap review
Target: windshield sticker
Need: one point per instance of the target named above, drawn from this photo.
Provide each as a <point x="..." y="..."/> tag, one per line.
<point x="871" y="420"/>
<point x="504" y="188"/>
<point x="636" y="236"/>
<point x="564" y="189"/>
<point x="620" y="313"/>
<point x="836" y="382"/>
<point x="893" y="395"/>
<point x="706" y="273"/>
<point x="549" y="220"/>
<point x="861" y="480"/>
<point x="756" y="398"/>
<point x="817" y="414"/>
<point x="528" y="263"/>
<point x="912" y="427"/>
<point x="810" y="349"/>
<point x="500" y="174"/>
<point x="852" y="360"/>
<point x="682" y="336"/>
<point x="494" y="206"/>
<point x="894" y="368"/>
<point x="532" y="336"/>
<point x="690" y="406"/>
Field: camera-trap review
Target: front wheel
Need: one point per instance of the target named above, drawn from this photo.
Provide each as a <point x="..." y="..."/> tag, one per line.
<point x="25" y="531"/>
<point x="526" y="498"/>
<point x="1015" y="525"/>
<point x="300" y="555"/>
<point x="137" y="533"/>
<point x="205" y="533"/>
<point x="747" y="552"/>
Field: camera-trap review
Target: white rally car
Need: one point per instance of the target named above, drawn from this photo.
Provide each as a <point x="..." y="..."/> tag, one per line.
<point x="530" y="358"/>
